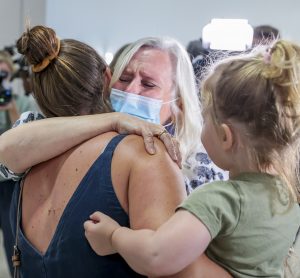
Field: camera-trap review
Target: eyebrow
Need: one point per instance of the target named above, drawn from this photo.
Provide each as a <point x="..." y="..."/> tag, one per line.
<point x="143" y="73"/>
<point x="127" y="70"/>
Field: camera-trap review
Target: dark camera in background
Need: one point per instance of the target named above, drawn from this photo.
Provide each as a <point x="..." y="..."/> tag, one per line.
<point x="21" y="72"/>
<point x="5" y="94"/>
<point x="23" y="69"/>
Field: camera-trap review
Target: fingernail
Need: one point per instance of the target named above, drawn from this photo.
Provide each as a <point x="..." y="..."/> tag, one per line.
<point x="175" y="156"/>
<point x="152" y="150"/>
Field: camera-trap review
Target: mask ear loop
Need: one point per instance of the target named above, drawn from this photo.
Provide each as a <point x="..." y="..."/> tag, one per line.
<point x="171" y="122"/>
<point x="170" y="101"/>
<point x="168" y="124"/>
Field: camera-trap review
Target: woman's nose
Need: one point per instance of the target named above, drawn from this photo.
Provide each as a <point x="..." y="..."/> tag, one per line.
<point x="133" y="87"/>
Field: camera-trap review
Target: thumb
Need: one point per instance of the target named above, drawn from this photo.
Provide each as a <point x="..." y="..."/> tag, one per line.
<point x="88" y="225"/>
<point x="96" y="216"/>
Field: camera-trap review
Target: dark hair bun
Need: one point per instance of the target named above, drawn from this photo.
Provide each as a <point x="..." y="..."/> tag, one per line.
<point x="37" y="43"/>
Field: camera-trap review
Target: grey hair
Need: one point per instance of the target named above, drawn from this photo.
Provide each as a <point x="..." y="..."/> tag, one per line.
<point x="187" y="118"/>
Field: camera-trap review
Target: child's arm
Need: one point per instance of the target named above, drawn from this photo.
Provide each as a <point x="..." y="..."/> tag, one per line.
<point x="176" y="244"/>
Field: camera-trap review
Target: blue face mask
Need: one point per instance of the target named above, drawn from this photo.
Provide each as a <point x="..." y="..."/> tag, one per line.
<point x="143" y="107"/>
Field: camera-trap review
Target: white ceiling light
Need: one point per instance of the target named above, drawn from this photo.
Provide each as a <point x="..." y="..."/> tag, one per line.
<point x="108" y="57"/>
<point x="227" y="34"/>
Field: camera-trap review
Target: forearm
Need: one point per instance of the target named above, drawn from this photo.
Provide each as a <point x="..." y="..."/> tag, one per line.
<point x="165" y="251"/>
<point x="32" y="143"/>
<point x="148" y="252"/>
<point x="139" y="249"/>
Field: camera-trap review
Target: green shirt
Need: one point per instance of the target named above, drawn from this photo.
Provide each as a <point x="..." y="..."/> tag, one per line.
<point x="249" y="222"/>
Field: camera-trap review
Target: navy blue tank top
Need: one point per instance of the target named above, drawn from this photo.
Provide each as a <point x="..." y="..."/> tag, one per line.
<point x="69" y="253"/>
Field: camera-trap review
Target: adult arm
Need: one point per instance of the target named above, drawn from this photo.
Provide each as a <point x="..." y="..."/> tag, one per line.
<point x="156" y="185"/>
<point x="32" y="143"/>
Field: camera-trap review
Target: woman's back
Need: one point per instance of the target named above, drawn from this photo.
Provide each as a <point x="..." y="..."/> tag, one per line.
<point x="48" y="188"/>
<point x="58" y="196"/>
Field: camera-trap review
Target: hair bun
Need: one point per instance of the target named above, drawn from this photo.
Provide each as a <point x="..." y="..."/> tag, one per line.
<point x="37" y="43"/>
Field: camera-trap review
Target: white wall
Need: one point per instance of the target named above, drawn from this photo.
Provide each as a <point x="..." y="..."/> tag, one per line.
<point x="107" y="24"/>
<point x="13" y="14"/>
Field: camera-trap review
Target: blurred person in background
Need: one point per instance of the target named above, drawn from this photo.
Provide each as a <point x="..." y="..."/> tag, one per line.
<point x="199" y="57"/>
<point x="264" y="34"/>
<point x="14" y="104"/>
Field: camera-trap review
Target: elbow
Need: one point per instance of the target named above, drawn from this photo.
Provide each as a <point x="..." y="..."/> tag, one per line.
<point x="4" y="149"/>
<point x="7" y="154"/>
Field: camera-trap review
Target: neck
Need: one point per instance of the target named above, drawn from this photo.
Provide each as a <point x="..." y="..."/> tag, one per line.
<point x="244" y="166"/>
<point x="235" y="172"/>
<point x="242" y="163"/>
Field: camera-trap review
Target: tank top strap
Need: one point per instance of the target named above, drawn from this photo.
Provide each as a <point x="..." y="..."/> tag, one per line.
<point x="104" y="162"/>
<point x="111" y="146"/>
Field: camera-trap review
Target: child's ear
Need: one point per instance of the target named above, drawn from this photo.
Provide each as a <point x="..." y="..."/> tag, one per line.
<point x="226" y="137"/>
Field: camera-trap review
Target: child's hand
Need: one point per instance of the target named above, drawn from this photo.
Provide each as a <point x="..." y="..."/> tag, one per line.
<point x="98" y="232"/>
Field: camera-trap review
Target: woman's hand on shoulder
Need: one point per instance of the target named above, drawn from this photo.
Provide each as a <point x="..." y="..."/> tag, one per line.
<point x="126" y="124"/>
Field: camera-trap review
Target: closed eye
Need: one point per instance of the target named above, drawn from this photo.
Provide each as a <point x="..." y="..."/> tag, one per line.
<point x="148" y="84"/>
<point x="124" y="79"/>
